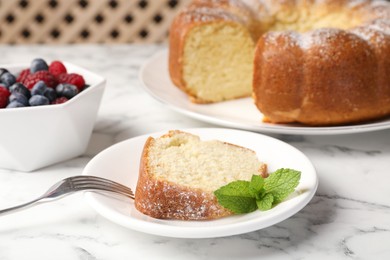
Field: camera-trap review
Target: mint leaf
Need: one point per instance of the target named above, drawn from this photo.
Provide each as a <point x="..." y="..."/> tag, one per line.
<point x="237" y="197"/>
<point x="281" y="183"/>
<point x="265" y="203"/>
<point x="256" y="185"/>
<point x="244" y="196"/>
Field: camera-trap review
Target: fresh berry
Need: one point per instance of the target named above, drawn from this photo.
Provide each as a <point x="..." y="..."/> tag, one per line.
<point x="57" y="68"/>
<point x="70" y="91"/>
<point x="39" y="85"/>
<point x="60" y="100"/>
<point x="23" y="75"/>
<point x="39" y="88"/>
<point x="2" y="71"/>
<point x="38" y="100"/>
<point x="19" y="98"/>
<point x="60" y="89"/>
<point x="32" y="79"/>
<point x="14" y="104"/>
<point x="50" y="93"/>
<point x="67" y="90"/>
<point x="8" y="79"/>
<point x="72" y="78"/>
<point x="20" y="88"/>
<point x="38" y="65"/>
<point x="4" y="94"/>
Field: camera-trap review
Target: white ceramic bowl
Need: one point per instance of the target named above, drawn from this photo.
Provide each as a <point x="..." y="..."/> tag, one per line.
<point x="35" y="137"/>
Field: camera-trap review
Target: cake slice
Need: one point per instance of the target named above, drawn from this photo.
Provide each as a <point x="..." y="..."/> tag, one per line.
<point x="211" y="51"/>
<point x="179" y="174"/>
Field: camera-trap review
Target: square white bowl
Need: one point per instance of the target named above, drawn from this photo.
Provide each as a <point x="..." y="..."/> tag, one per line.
<point x="35" y="137"/>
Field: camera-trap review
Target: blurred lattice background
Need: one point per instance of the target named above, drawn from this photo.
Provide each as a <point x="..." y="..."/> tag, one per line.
<point x="86" y="21"/>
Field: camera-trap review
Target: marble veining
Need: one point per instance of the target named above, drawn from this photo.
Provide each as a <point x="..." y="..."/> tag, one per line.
<point x="349" y="217"/>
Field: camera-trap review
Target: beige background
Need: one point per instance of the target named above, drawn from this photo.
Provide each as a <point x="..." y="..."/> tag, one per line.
<point x="88" y="21"/>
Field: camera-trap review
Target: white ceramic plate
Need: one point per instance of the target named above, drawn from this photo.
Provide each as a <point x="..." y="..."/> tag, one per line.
<point x="121" y="162"/>
<point x="240" y="113"/>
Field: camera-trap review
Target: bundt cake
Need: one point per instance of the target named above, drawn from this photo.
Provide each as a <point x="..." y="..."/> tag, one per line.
<point x="179" y="173"/>
<point x="316" y="62"/>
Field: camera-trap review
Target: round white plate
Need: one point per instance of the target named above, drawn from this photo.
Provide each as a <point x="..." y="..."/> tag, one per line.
<point x="240" y="113"/>
<point x="121" y="163"/>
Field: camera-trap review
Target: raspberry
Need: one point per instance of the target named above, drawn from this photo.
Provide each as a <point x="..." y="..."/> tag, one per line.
<point x="43" y="75"/>
<point x="4" y="94"/>
<point x="60" y="100"/>
<point x="56" y="68"/>
<point x="23" y="75"/>
<point x="72" y="78"/>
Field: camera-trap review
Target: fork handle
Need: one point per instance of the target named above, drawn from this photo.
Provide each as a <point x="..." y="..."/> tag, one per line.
<point x="20" y="207"/>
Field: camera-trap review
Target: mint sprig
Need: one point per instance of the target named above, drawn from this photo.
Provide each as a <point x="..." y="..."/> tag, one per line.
<point x="259" y="193"/>
<point x="237" y="197"/>
<point x="266" y="202"/>
<point x="282" y="183"/>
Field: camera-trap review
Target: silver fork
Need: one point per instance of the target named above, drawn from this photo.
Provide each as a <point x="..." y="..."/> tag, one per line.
<point x="73" y="184"/>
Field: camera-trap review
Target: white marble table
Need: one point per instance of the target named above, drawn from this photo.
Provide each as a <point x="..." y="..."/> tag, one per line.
<point x="349" y="217"/>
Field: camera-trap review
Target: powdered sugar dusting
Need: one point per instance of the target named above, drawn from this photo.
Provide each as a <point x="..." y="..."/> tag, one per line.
<point x="163" y="200"/>
<point x="380" y="25"/>
<point x="318" y="37"/>
<point x="380" y="3"/>
<point x="372" y="35"/>
<point x="373" y="31"/>
<point x="216" y="3"/>
<point x="356" y="3"/>
<point x="207" y="14"/>
<point x="284" y="40"/>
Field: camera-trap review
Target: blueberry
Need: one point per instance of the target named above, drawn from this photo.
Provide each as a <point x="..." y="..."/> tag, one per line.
<point x="20" y="88"/>
<point x="19" y="98"/>
<point x="67" y="90"/>
<point x="60" y="89"/>
<point x="50" y="94"/>
<point x="38" y="100"/>
<point x="37" y="65"/>
<point x="39" y="88"/>
<point x="2" y="71"/>
<point x="14" y="104"/>
<point x="70" y="91"/>
<point x="8" y="79"/>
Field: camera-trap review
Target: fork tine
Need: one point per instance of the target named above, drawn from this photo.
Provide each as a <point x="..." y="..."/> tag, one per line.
<point x="100" y="186"/>
<point x="88" y="177"/>
<point x="92" y="182"/>
<point x="93" y="178"/>
<point x="103" y="182"/>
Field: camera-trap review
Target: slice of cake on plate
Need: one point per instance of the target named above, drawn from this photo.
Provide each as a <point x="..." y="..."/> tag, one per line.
<point x="179" y="173"/>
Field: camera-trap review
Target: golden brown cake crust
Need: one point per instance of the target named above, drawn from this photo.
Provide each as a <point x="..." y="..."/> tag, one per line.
<point x="165" y="200"/>
<point x="335" y="82"/>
